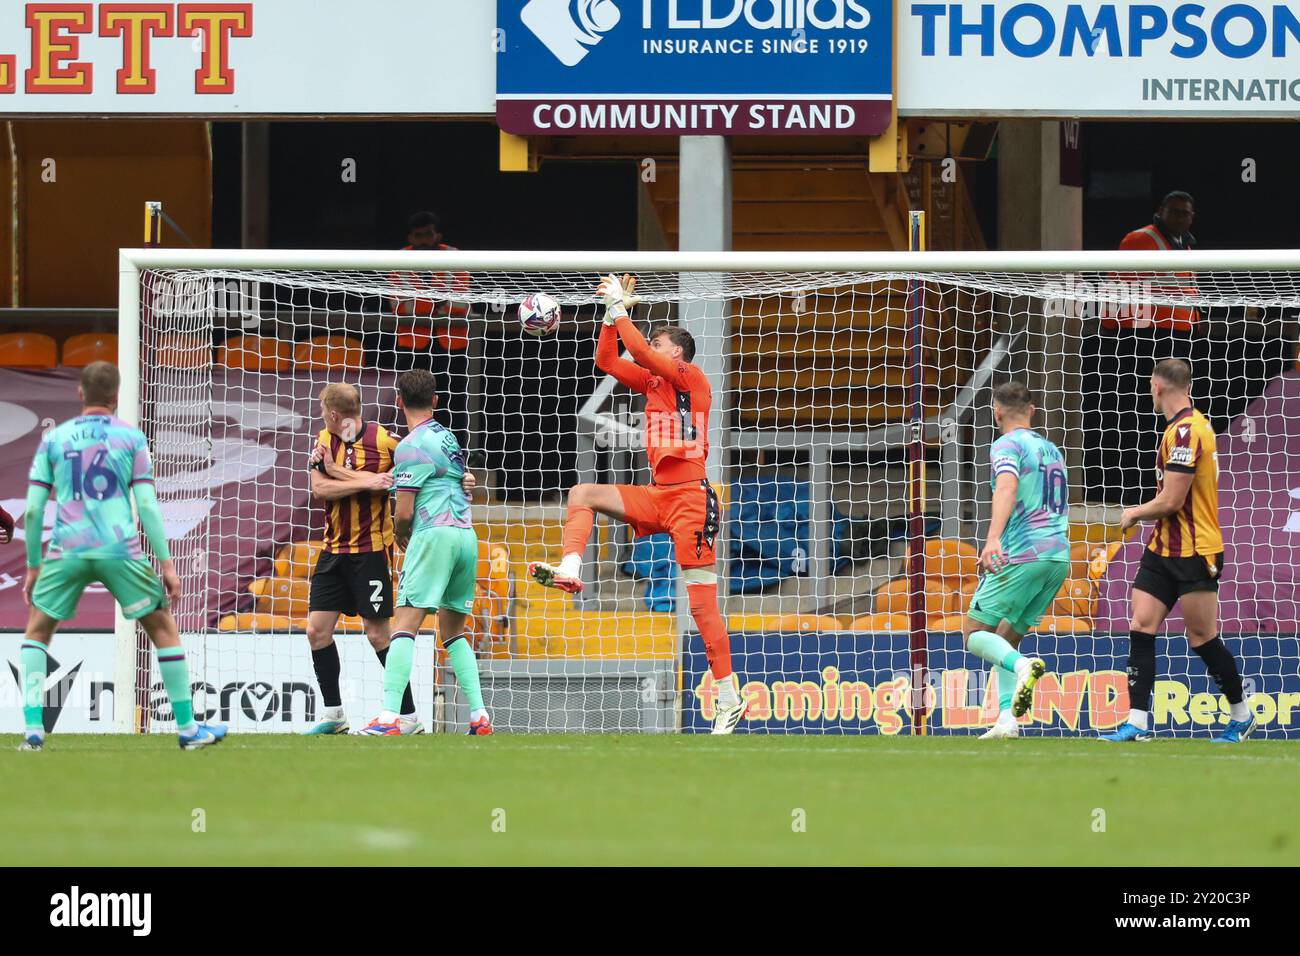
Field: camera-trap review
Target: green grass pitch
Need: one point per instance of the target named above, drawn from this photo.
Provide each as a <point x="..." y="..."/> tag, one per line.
<point x="587" y="799"/>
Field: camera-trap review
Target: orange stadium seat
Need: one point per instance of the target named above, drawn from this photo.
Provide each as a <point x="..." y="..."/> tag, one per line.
<point x="1102" y="555"/>
<point x="880" y="622"/>
<point x="80" y="350"/>
<point x="1081" y="555"/>
<point x="807" y="622"/>
<point x="1058" y="624"/>
<point x="784" y="622"/>
<point x="179" y="350"/>
<point x="28" y="350"/>
<point x="256" y="622"/>
<point x="253" y="353"/>
<point x="1075" y="599"/>
<point x="946" y="624"/>
<point x="892" y="598"/>
<point x="282" y="596"/>
<point x="328" y="351"/>
<point x="298" y="559"/>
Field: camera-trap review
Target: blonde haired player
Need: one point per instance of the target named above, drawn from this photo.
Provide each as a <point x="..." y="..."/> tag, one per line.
<point x="679" y="499"/>
<point x="351" y="472"/>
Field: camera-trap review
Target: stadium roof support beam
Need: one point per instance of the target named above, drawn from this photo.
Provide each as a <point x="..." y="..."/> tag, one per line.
<point x="255" y="189"/>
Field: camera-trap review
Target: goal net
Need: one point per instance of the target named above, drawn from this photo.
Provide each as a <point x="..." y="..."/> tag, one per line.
<point x="850" y="430"/>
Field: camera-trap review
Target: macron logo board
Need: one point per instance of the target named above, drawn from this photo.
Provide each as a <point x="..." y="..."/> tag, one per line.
<point x="695" y="67"/>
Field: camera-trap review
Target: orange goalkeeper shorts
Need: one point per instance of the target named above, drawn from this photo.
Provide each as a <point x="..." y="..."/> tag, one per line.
<point x="689" y="512"/>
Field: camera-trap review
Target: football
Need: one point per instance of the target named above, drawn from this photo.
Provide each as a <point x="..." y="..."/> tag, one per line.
<point x="539" y="314"/>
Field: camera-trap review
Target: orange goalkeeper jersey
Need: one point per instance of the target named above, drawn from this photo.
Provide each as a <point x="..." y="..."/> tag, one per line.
<point x="1188" y="447"/>
<point x="678" y="400"/>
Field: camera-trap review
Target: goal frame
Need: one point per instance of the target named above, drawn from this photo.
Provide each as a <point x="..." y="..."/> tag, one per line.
<point x="128" y="704"/>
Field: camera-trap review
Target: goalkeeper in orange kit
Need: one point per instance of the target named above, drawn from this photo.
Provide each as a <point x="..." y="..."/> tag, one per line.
<point x="679" y="498"/>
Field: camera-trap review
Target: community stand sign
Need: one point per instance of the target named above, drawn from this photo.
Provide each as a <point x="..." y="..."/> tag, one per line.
<point x="695" y="67"/>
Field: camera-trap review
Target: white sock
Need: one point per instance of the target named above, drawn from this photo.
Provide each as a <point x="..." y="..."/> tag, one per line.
<point x="571" y="566"/>
<point x="332" y="713"/>
<point x="1240" y="711"/>
<point x="476" y="715"/>
<point x="387" y="717"/>
<point x="727" y="696"/>
<point x="1006" y="716"/>
<point x="1138" y="718"/>
<point x="410" y="716"/>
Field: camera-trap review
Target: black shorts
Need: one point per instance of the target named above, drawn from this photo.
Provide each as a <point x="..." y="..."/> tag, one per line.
<point x="353" y="584"/>
<point x="1168" y="579"/>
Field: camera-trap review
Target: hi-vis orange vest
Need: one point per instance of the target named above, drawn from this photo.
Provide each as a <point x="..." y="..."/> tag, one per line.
<point x="419" y="336"/>
<point x="1180" y="318"/>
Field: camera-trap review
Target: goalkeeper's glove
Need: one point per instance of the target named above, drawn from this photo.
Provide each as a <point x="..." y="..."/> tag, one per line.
<point x="617" y="296"/>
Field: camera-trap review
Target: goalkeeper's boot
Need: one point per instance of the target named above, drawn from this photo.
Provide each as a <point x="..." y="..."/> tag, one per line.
<point x="549" y="576"/>
<point x="1236" y="731"/>
<point x="380" y="727"/>
<point x="481" y="727"/>
<point x="728" y="718"/>
<point x="1126" y="732"/>
<point x="1001" y="730"/>
<point x="1028" y="670"/>
<point x="409" y="725"/>
<point x="35" y="740"/>
<point x="205" y="735"/>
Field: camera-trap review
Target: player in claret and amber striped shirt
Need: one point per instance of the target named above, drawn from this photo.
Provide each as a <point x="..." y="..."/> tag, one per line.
<point x="680" y="499"/>
<point x="1183" y="559"/>
<point x="352" y="473"/>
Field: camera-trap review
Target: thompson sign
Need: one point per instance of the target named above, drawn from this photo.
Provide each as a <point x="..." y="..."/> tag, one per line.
<point x="716" y="67"/>
<point x="1215" y="58"/>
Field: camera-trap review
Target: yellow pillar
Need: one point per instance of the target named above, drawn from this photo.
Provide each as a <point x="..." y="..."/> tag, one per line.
<point x="518" y="154"/>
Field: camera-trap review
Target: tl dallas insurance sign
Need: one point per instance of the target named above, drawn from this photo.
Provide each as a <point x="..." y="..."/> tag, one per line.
<point x="711" y="67"/>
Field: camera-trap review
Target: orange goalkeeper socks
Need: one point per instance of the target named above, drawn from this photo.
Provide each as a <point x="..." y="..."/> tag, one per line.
<point x="578" y="522"/>
<point x="703" y="600"/>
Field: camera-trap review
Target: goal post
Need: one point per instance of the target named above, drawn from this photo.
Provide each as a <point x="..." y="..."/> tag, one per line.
<point x="817" y="456"/>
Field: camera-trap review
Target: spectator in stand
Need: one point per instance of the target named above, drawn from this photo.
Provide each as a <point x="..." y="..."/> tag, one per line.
<point x="6" y="527"/>
<point x="431" y="331"/>
<point x="1121" y="352"/>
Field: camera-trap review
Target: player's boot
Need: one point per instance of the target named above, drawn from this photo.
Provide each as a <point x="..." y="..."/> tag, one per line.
<point x="205" y="735"/>
<point x="327" y="726"/>
<point x="481" y="727"/>
<point x="1028" y="670"/>
<point x="728" y="718"/>
<point x="33" y="742"/>
<point x="549" y="576"/>
<point x="409" y="725"/>
<point x="1236" y="731"/>
<point x="1126" y="732"/>
<point x="381" y="728"/>
<point x="1001" y="730"/>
